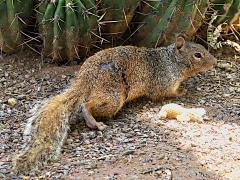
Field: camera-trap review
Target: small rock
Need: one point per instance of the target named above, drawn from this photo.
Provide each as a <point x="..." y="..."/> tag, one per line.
<point x="87" y="142"/>
<point x="1" y="114"/>
<point x="21" y="97"/>
<point x="56" y="164"/>
<point x="225" y="95"/>
<point x="66" y="167"/>
<point x="193" y="145"/>
<point x="206" y="118"/>
<point x="161" y="157"/>
<point x="237" y="110"/>
<point x="90" y="172"/>
<point x="128" y="152"/>
<point x="4" y="171"/>
<point x="225" y="66"/>
<point x="69" y="141"/>
<point x="12" y="101"/>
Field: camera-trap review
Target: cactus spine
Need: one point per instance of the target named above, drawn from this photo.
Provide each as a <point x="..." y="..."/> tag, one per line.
<point x="70" y="28"/>
<point x="13" y="18"/>
<point x="67" y="27"/>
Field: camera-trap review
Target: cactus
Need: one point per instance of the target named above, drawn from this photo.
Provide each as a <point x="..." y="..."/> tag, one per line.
<point x="166" y="18"/>
<point x="117" y="15"/>
<point x="228" y="11"/>
<point x="46" y="17"/>
<point x="13" y="17"/>
<point x="148" y="17"/>
<point x="67" y="27"/>
<point x="193" y="17"/>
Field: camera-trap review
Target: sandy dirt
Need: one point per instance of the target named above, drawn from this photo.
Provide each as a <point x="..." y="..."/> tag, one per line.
<point x="136" y="144"/>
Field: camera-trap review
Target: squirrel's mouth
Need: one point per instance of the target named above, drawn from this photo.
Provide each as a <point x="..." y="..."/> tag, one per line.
<point x="205" y="68"/>
<point x="212" y="66"/>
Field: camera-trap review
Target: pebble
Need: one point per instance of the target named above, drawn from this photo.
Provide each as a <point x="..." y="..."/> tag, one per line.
<point x="87" y="142"/>
<point x="12" y="101"/>
<point x="4" y="171"/>
<point x="226" y="66"/>
<point x="128" y="152"/>
<point x="226" y="95"/>
<point x="1" y="114"/>
<point x="21" y="97"/>
<point x="237" y="110"/>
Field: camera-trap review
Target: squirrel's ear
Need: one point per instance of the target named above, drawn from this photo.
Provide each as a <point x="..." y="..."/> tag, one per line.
<point x="180" y="42"/>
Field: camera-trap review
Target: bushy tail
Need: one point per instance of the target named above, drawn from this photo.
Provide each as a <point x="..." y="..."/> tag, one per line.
<point x="50" y="128"/>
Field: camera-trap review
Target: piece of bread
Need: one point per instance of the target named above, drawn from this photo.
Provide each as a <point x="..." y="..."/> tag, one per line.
<point x="176" y="111"/>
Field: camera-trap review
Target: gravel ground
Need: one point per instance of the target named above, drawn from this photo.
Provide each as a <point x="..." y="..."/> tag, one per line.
<point x="136" y="144"/>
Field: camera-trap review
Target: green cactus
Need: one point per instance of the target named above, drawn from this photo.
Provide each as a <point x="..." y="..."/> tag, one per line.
<point x="67" y="27"/>
<point x="88" y="26"/>
<point x="160" y="26"/>
<point x="165" y="19"/>
<point x="228" y="11"/>
<point x="13" y="17"/>
<point x="117" y="15"/>
<point x="198" y="15"/>
<point x="192" y="18"/>
<point x="148" y="17"/>
<point x="46" y="17"/>
<point x="72" y="30"/>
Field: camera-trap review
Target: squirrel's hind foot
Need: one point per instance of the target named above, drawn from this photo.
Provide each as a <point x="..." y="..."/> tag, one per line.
<point x="90" y="120"/>
<point x="101" y="126"/>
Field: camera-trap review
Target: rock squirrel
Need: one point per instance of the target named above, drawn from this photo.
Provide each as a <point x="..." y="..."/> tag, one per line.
<point x="106" y="81"/>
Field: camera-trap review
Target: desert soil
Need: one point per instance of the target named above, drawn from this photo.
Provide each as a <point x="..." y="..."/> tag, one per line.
<point x="136" y="144"/>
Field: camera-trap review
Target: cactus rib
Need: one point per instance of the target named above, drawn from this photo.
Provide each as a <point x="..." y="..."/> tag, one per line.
<point x="153" y="38"/>
<point x="13" y="18"/>
<point x="71" y="30"/>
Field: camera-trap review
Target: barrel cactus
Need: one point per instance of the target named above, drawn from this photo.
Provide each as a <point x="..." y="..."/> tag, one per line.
<point x="67" y="27"/>
<point x="13" y="17"/>
<point x="228" y="11"/>
<point x="117" y="15"/>
<point x="163" y="19"/>
<point x="71" y="28"/>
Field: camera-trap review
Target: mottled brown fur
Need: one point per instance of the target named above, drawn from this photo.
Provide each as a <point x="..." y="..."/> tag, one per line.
<point x="107" y="81"/>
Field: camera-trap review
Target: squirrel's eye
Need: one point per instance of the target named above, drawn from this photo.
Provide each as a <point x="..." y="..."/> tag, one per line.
<point x="198" y="55"/>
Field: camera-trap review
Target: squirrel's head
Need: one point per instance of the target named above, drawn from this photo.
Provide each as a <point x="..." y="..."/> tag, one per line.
<point x="195" y="56"/>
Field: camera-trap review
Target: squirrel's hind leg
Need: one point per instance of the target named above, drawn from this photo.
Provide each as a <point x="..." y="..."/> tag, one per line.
<point x="90" y="120"/>
<point x="104" y="105"/>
